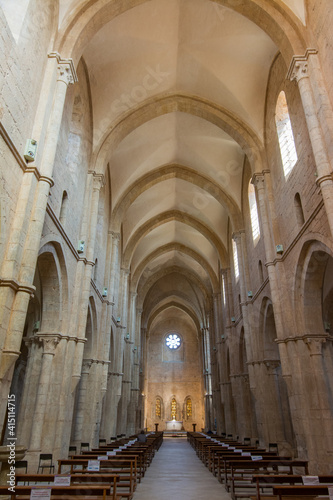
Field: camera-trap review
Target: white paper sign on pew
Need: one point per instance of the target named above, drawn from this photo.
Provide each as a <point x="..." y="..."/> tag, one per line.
<point x="310" y="480"/>
<point x="246" y="454"/>
<point x="40" y="494"/>
<point x="94" y="465"/>
<point x="62" y="480"/>
<point x="111" y="453"/>
<point x="256" y="457"/>
<point x="102" y="457"/>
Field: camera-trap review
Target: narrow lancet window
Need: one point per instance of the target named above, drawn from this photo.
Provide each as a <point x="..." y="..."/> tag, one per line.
<point x="285" y="134"/>
<point x="236" y="265"/>
<point x="254" y="213"/>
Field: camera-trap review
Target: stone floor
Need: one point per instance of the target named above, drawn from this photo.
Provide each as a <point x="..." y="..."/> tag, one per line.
<point x="177" y="473"/>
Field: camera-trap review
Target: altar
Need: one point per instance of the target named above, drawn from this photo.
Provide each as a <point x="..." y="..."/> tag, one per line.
<point x="174" y="425"/>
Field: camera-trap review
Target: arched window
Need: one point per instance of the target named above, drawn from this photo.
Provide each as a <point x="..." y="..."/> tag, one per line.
<point x="223" y="289"/>
<point x="63" y="208"/>
<point x="285" y="134"/>
<point x="253" y="213"/>
<point x="173" y="409"/>
<point x="188" y="408"/>
<point x="158" y="408"/>
<point x="299" y="210"/>
<point x="235" y="253"/>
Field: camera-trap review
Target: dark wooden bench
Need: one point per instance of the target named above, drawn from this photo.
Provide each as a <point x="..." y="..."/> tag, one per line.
<point x="301" y="491"/>
<point x="265" y="483"/>
<point x="61" y="492"/>
<point x="94" y="478"/>
<point x="126" y="468"/>
<point x="123" y="454"/>
<point x="238" y="473"/>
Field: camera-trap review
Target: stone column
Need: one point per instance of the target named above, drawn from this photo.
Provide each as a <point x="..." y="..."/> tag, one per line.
<point x="243" y="410"/>
<point x="131" y="418"/>
<point x="228" y="404"/>
<point x="124" y="348"/>
<point x="26" y="412"/>
<point x="50" y="343"/>
<point x="311" y="401"/>
<point x="114" y="266"/>
<point x="259" y="182"/>
<point x="81" y="400"/>
<point x="299" y="71"/>
<point x="82" y="295"/>
<point x="238" y="237"/>
<point x="218" y="323"/>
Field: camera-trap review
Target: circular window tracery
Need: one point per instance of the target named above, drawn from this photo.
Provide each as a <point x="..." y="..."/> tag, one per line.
<point x="173" y="341"/>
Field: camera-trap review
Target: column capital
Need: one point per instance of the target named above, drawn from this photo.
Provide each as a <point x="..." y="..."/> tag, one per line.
<point x="238" y="234"/>
<point x="315" y="344"/>
<point x="98" y="180"/>
<point x="49" y="342"/>
<point x="225" y="270"/>
<point x="115" y="236"/>
<point x="86" y="365"/>
<point x="298" y="68"/>
<point x="66" y="69"/>
<point x="127" y="272"/>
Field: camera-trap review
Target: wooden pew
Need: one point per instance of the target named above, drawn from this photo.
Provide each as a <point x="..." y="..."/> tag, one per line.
<point x="238" y="473"/>
<point x="140" y="460"/>
<point x="214" y="462"/>
<point x="93" y="478"/>
<point x="62" y="492"/>
<point x="265" y="483"/>
<point x="301" y="491"/>
<point x="126" y="468"/>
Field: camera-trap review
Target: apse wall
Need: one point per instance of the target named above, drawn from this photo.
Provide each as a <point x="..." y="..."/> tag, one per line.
<point x="174" y="373"/>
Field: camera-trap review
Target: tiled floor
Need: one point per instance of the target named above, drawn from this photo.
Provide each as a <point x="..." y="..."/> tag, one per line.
<point x="177" y="473"/>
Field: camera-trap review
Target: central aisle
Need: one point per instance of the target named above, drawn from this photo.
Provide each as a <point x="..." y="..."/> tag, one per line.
<point x="176" y="472"/>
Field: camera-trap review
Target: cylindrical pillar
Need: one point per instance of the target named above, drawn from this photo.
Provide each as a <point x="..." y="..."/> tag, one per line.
<point x="49" y="345"/>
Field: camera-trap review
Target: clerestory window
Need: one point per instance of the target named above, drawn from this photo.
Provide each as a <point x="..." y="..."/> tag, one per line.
<point x="285" y="135"/>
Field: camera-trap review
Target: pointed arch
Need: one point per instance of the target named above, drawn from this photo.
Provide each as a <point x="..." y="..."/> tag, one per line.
<point x="163" y="218"/>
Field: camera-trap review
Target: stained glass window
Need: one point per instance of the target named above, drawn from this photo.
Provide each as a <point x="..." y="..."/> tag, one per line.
<point x="158" y="408"/>
<point x="188" y="408"/>
<point x="173" y="409"/>
<point x="172" y="341"/>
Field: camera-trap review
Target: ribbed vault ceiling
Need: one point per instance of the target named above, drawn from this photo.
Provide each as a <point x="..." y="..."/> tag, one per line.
<point x="176" y="177"/>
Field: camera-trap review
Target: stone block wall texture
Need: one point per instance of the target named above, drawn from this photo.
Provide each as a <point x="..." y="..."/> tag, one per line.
<point x="174" y="373"/>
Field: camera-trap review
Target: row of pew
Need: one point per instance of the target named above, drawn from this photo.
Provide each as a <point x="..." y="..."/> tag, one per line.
<point x="109" y="472"/>
<point x="253" y="473"/>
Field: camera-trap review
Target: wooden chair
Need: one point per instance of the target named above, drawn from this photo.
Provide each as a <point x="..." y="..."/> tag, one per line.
<point x="84" y="447"/>
<point x="45" y="462"/>
<point x="22" y="464"/>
